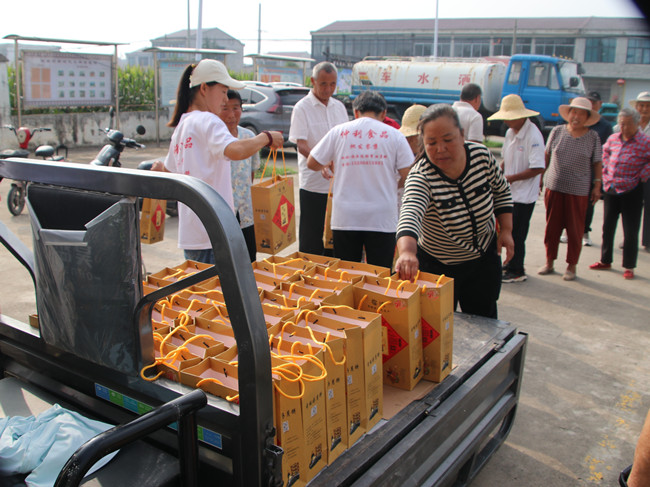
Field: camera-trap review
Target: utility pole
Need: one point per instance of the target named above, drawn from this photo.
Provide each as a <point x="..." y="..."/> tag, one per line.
<point x="188" y="25"/>
<point x="435" y="35"/>
<point x="259" y="29"/>
<point x="199" y="32"/>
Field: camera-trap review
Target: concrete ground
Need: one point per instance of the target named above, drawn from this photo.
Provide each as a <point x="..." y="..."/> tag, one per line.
<point x="586" y="386"/>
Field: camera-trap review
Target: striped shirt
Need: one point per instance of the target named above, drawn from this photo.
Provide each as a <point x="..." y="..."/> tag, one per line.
<point x="454" y="220"/>
<point x="625" y="163"/>
<point x="572" y="159"/>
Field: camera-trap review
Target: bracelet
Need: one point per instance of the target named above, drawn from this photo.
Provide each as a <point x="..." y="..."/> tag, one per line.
<point x="597" y="180"/>
<point x="268" y="134"/>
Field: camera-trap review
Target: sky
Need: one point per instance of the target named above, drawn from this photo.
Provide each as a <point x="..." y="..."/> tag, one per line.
<point x="285" y="24"/>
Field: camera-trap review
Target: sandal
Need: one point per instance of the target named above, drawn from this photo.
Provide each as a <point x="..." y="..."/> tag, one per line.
<point x="545" y="270"/>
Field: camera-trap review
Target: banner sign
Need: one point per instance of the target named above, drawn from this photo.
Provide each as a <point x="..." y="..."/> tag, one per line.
<point x="63" y="79"/>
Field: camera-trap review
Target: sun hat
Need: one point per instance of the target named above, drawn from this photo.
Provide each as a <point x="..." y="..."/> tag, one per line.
<point x="410" y="120"/>
<point x="512" y="108"/>
<point x="643" y="96"/>
<point x="583" y="104"/>
<point x="209" y="71"/>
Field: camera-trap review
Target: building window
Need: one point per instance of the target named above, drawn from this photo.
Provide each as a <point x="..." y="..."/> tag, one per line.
<point x="524" y="45"/>
<point x="420" y="49"/>
<point x="502" y="46"/>
<point x="555" y="46"/>
<point x="638" y="51"/>
<point x="471" y="46"/>
<point x="600" y="50"/>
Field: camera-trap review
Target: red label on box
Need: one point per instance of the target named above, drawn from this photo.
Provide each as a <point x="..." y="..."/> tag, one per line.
<point x="283" y="214"/>
<point x="158" y="217"/>
<point x="429" y="333"/>
<point x="394" y="342"/>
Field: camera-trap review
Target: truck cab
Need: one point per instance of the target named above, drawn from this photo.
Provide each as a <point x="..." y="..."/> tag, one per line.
<point x="544" y="83"/>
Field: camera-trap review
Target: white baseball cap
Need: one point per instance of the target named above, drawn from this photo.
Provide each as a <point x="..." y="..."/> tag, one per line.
<point x="210" y="71"/>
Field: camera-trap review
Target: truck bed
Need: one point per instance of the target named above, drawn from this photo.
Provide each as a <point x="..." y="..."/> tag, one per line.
<point x="443" y="438"/>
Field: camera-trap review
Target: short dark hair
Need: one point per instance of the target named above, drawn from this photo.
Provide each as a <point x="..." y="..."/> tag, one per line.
<point x="594" y="96"/>
<point x="470" y="91"/>
<point x="436" y="111"/>
<point x="370" y="101"/>
<point x="234" y="95"/>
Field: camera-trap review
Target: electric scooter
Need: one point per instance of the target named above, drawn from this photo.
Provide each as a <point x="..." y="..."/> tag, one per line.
<point x="16" y="196"/>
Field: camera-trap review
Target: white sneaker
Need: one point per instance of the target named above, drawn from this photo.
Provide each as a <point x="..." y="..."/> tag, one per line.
<point x="586" y="241"/>
<point x="564" y="238"/>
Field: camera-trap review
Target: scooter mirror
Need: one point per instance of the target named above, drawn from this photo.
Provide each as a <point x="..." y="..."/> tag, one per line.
<point x="140" y="130"/>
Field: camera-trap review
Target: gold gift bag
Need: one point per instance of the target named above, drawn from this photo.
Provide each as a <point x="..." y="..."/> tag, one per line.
<point x="274" y="211"/>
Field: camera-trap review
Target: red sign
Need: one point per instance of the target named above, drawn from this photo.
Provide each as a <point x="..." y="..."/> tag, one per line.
<point x="429" y="333"/>
<point x="283" y="214"/>
<point x="394" y="342"/>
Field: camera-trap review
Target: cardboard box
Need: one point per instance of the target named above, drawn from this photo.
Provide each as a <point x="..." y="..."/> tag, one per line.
<point x="215" y="376"/>
<point x="175" y="363"/>
<point x="274" y="214"/>
<point x="352" y="271"/>
<point x="312" y="406"/>
<point x="152" y="220"/>
<point x="332" y="345"/>
<point x="287" y="412"/>
<point x="319" y="260"/>
<point x="437" y="308"/>
<point x="364" y="380"/>
<point x="399" y="305"/>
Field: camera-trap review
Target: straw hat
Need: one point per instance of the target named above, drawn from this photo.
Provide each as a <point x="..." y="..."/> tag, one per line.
<point x="512" y="108"/>
<point x="643" y="96"/>
<point x="583" y="104"/>
<point x="411" y="119"/>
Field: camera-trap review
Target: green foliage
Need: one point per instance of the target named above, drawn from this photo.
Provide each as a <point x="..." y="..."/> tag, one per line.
<point x="136" y="88"/>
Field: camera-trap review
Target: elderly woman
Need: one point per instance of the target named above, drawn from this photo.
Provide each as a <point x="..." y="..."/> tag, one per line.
<point x="642" y="105"/>
<point x="453" y="197"/>
<point x="626" y="162"/>
<point x="573" y="162"/>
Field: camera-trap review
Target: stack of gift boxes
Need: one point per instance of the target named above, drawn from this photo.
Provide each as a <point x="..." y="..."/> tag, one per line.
<point x="338" y="331"/>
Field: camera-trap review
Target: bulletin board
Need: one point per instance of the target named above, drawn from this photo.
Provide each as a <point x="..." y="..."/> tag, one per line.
<point x="63" y="79"/>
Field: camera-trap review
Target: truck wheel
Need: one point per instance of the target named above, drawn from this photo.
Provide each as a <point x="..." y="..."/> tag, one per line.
<point x="16" y="200"/>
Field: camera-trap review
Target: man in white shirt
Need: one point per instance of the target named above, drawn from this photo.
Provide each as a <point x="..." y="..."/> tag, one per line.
<point x="311" y="119"/>
<point x="523" y="165"/>
<point x="369" y="160"/>
<point x="471" y="120"/>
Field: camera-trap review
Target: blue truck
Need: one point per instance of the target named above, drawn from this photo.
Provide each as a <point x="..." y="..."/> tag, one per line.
<point x="543" y="82"/>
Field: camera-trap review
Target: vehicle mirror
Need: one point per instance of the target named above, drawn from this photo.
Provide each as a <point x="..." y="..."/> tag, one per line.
<point x="140" y="130"/>
<point x="574" y="81"/>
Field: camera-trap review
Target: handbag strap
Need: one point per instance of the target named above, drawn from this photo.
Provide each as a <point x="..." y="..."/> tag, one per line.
<point x="274" y="153"/>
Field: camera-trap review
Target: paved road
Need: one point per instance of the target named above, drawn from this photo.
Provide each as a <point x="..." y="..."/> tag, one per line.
<point x="585" y="391"/>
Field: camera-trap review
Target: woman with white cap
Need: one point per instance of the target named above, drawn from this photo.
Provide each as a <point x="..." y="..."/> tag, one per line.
<point x="642" y="105"/>
<point x="573" y="162"/>
<point x="202" y="146"/>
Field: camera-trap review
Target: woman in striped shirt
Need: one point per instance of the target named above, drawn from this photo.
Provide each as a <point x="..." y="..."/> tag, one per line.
<point x="453" y="197"/>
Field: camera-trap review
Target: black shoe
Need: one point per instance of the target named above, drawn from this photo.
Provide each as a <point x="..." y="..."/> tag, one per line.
<point x="513" y="277"/>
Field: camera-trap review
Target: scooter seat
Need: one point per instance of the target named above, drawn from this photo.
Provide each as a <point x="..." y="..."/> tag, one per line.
<point x="7" y="153"/>
<point x="44" y="151"/>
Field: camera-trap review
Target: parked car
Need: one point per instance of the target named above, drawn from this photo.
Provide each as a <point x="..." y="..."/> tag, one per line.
<point x="609" y="111"/>
<point x="268" y="106"/>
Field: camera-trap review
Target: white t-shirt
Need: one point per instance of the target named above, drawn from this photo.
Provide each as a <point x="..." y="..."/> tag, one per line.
<point x="470" y="120"/>
<point x="367" y="155"/>
<point x="310" y="121"/>
<point x="521" y="151"/>
<point x="196" y="149"/>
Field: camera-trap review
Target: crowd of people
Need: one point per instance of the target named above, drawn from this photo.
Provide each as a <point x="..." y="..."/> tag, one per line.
<point x="426" y="194"/>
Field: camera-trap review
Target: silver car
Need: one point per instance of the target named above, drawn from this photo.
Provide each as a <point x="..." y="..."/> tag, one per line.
<point x="268" y="106"/>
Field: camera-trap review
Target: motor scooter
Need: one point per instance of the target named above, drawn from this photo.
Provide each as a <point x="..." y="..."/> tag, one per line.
<point x="16" y="196"/>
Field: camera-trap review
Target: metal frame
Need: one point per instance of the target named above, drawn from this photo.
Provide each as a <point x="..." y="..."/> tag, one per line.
<point x="253" y="456"/>
<point x="16" y="38"/>
<point x="181" y="410"/>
